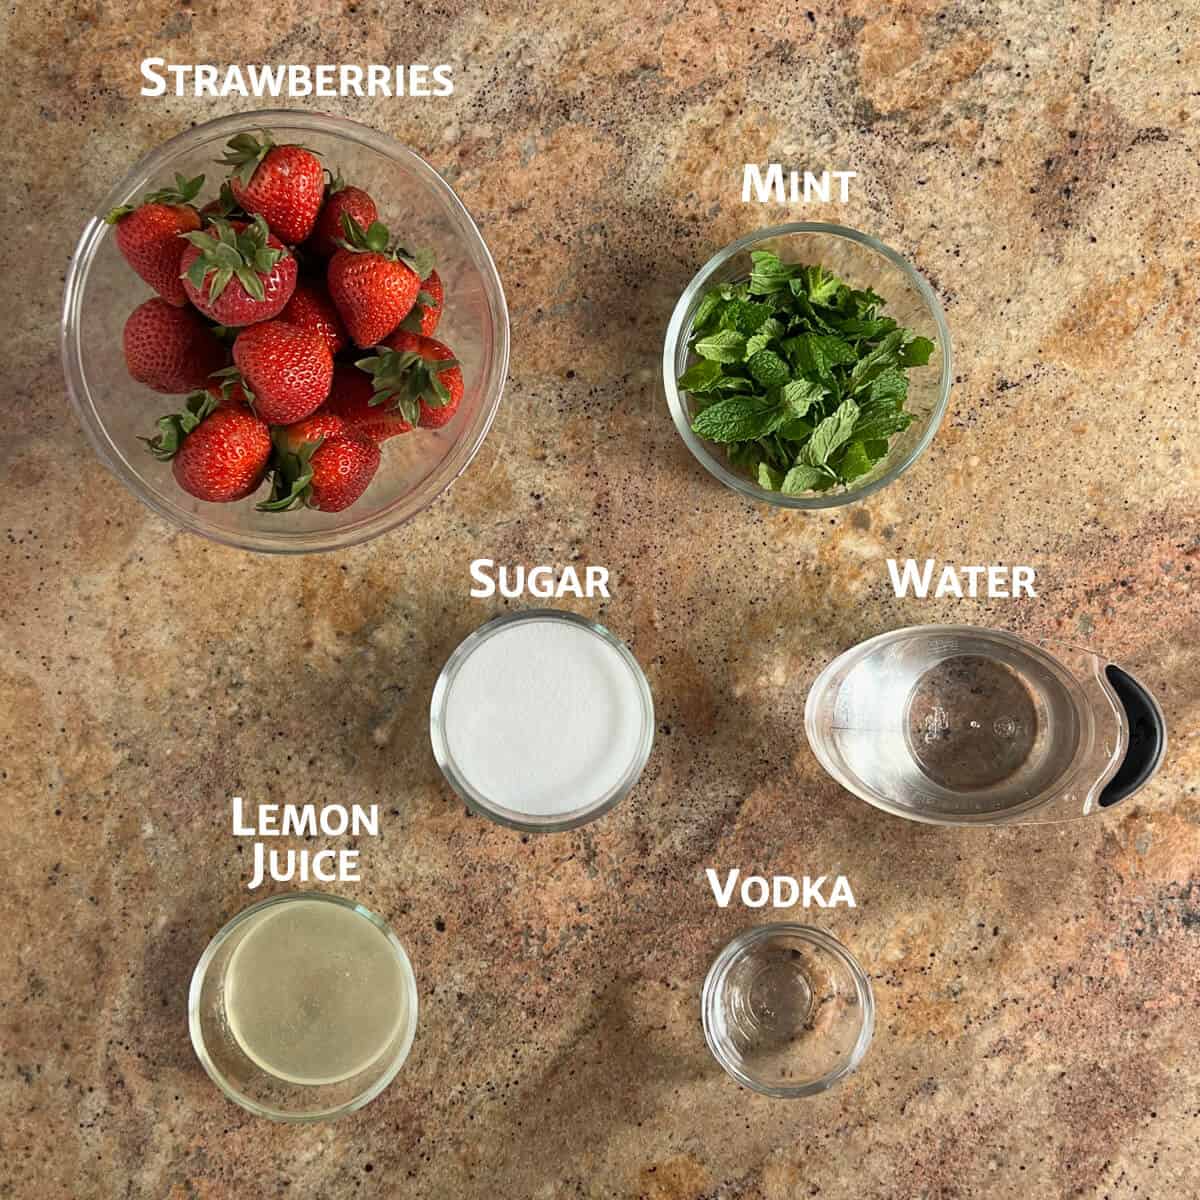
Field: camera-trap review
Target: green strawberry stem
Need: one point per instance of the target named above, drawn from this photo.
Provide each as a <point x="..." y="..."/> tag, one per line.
<point x="245" y="152"/>
<point x="184" y="192"/>
<point x="244" y="255"/>
<point x="413" y="322"/>
<point x="230" y="378"/>
<point x="227" y="206"/>
<point x="291" y="475"/>
<point x="402" y="379"/>
<point x="375" y="240"/>
<point x="174" y="427"/>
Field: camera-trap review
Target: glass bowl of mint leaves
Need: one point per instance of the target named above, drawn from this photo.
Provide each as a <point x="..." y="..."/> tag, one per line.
<point x="807" y="365"/>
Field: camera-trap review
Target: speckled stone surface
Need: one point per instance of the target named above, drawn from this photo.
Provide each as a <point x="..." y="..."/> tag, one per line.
<point x="1038" y="989"/>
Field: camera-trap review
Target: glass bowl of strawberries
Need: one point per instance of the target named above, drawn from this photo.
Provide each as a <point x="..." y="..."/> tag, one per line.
<point x="284" y="332"/>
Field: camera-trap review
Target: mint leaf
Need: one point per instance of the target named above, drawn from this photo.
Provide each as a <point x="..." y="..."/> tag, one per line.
<point x="819" y="353"/>
<point x="917" y="352"/>
<point x="867" y="327"/>
<point x="739" y="419"/>
<point x="700" y="377"/>
<point x="890" y="386"/>
<point x="832" y="433"/>
<point x="707" y="312"/>
<point x="769" y="274"/>
<point x="735" y="383"/>
<point x="855" y="462"/>
<point x="809" y="317"/>
<point x="882" y="356"/>
<point x="755" y="343"/>
<point x="769" y="478"/>
<point x="767" y="368"/>
<point x="820" y="286"/>
<point x="794" y="430"/>
<point x="800" y="395"/>
<point x="725" y="346"/>
<point x="803" y="478"/>
<point x="877" y="425"/>
<point x="744" y="315"/>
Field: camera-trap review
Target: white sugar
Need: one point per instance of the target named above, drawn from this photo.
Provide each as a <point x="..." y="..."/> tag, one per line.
<point x="544" y="717"/>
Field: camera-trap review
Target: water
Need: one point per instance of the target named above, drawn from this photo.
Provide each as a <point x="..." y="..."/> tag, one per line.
<point x="314" y="993"/>
<point x="960" y="724"/>
<point x="971" y="723"/>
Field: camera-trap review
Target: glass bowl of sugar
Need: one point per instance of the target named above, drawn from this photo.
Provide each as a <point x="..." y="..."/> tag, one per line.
<point x="542" y="720"/>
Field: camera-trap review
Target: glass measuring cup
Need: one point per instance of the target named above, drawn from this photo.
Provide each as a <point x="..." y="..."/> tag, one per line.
<point x="958" y="725"/>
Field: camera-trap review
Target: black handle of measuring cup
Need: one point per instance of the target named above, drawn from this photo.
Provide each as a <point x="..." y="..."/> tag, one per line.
<point x="1147" y="738"/>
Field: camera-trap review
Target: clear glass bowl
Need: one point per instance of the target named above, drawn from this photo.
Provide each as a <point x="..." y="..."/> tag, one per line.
<point x="415" y="202"/>
<point x="787" y="1010"/>
<point x="863" y="262"/>
<point x="484" y="805"/>
<point x="242" y="1079"/>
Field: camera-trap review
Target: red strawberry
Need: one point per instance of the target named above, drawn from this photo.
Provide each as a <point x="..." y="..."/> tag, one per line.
<point x="228" y="390"/>
<point x="311" y="308"/>
<point x="427" y="311"/>
<point x="373" y="287"/>
<point x="170" y="349"/>
<point x="340" y="198"/>
<point x="417" y="375"/>
<point x="286" y="370"/>
<point x="320" y="426"/>
<point x="285" y="184"/>
<point x="148" y="235"/>
<point x="350" y="399"/>
<point x="236" y="273"/>
<point x="220" y="450"/>
<point x="329" y="473"/>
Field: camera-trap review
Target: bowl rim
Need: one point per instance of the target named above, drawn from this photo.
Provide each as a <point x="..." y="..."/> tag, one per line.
<point x="677" y="330"/>
<point x="157" y="160"/>
<point x="471" y="796"/>
<point x="710" y="997"/>
<point x="196" y="1027"/>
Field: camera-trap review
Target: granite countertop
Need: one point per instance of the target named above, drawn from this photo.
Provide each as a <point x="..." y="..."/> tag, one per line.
<point x="1037" y="987"/>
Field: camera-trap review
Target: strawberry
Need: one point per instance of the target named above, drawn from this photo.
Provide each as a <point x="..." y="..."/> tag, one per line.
<point x="285" y="370"/>
<point x="417" y="375"/>
<point x="350" y="399"/>
<point x="340" y="198"/>
<point x="225" y="389"/>
<point x="170" y="349"/>
<point x="427" y="311"/>
<point x="373" y="287"/>
<point x="284" y="184"/>
<point x="148" y="235"/>
<point x="311" y="308"/>
<point x="237" y="273"/>
<point x="319" y="426"/>
<point x="329" y="473"/>
<point x="219" y="450"/>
